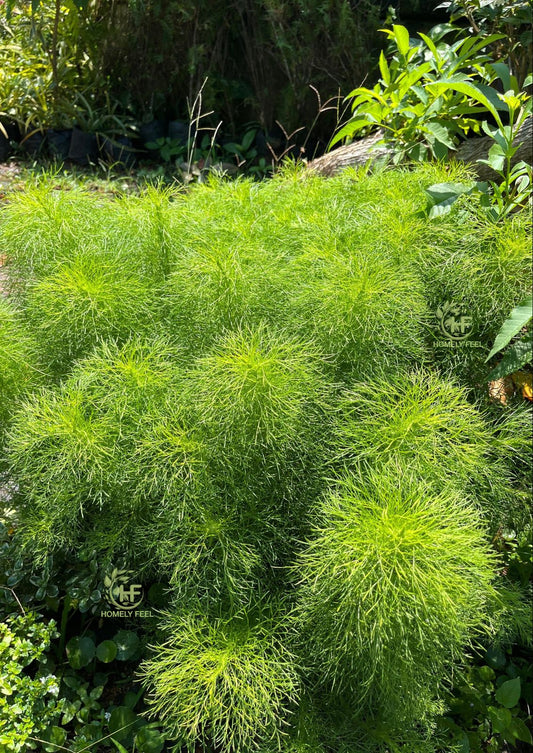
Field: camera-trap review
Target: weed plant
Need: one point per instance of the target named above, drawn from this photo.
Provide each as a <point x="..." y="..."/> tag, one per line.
<point x="379" y="615"/>
<point x="237" y="392"/>
<point x="18" y="364"/>
<point x="86" y="302"/>
<point x="225" y="681"/>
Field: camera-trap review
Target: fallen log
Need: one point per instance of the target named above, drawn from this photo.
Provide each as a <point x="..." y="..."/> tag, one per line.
<point x="369" y="149"/>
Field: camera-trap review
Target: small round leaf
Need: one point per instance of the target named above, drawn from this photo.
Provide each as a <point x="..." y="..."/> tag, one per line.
<point x="127" y="644"/>
<point x="508" y="694"/>
<point x="80" y="651"/>
<point x="106" y="651"/>
<point x="121" y="722"/>
<point x="149" y="740"/>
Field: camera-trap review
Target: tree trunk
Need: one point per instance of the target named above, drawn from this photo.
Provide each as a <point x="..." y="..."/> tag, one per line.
<point x="368" y="150"/>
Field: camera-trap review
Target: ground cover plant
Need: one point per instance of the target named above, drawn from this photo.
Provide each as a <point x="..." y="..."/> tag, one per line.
<point x="246" y="397"/>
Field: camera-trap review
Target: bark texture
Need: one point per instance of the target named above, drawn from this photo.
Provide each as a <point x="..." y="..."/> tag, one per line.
<point x="360" y="152"/>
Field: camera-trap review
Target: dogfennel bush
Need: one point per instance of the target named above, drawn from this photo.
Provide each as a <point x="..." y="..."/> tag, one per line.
<point x="224" y="680"/>
<point x="379" y="619"/>
<point x="289" y="436"/>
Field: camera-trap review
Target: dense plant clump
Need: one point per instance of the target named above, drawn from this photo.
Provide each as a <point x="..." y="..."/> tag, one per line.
<point x="379" y="614"/>
<point x="249" y="397"/>
<point x="227" y="680"/>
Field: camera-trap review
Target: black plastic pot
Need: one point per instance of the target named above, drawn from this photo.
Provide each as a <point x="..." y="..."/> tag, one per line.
<point x="118" y="150"/>
<point x="59" y="143"/>
<point x="6" y="142"/>
<point x="33" y="143"/>
<point x="83" y="147"/>
<point x="157" y="129"/>
<point x="5" y="147"/>
<point x="178" y="130"/>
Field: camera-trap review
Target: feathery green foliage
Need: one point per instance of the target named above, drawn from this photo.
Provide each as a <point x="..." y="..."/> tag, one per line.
<point x="253" y="394"/>
<point x="465" y="264"/>
<point x="86" y="302"/>
<point x="228" y="681"/>
<point x="44" y="228"/>
<point x="18" y="366"/>
<point x="73" y="447"/>
<point x="416" y="420"/>
<point x="394" y="581"/>
<point x="361" y="312"/>
<point x="240" y="387"/>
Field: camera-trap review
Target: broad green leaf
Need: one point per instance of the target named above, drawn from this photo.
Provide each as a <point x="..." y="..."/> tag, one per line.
<point x="350" y="129"/>
<point x="402" y="38"/>
<point x="232" y="148"/>
<point x="431" y="45"/>
<point x="440" y="133"/>
<point x="440" y="191"/>
<point x="443" y="195"/>
<point x="106" y="651"/>
<point x="465" y="87"/>
<point x="80" y="651"/>
<point x="501" y="71"/>
<point x="495" y="133"/>
<point x="248" y="138"/>
<point x="442" y="208"/>
<point x="149" y="740"/>
<point x="495" y="658"/>
<point x="368" y="93"/>
<point x="508" y="694"/>
<point x="56" y="737"/>
<point x="384" y="68"/>
<point x="421" y="93"/>
<point x="127" y="644"/>
<point x="495" y="158"/>
<point x="518" y="354"/>
<point x="518" y="728"/>
<point x="469" y="47"/>
<point x="119" y="747"/>
<point x="499" y="718"/>
<point x="518" y="318"/>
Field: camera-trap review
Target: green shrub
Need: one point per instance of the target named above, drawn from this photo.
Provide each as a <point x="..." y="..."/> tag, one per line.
<point x="27" y="704"/>
<point x="44" y="228"/>
<point x="228" y="681"/>
<point x="394" y="582"/>
<point x="73" y="448"/>
<point x="253" y="395"/>
<point x="84" y="303"/>
<point x="18" y="365"/>
<point x="213" y="290"/>
<point x="355" y="306"/>
<point x="246" y="393"/>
